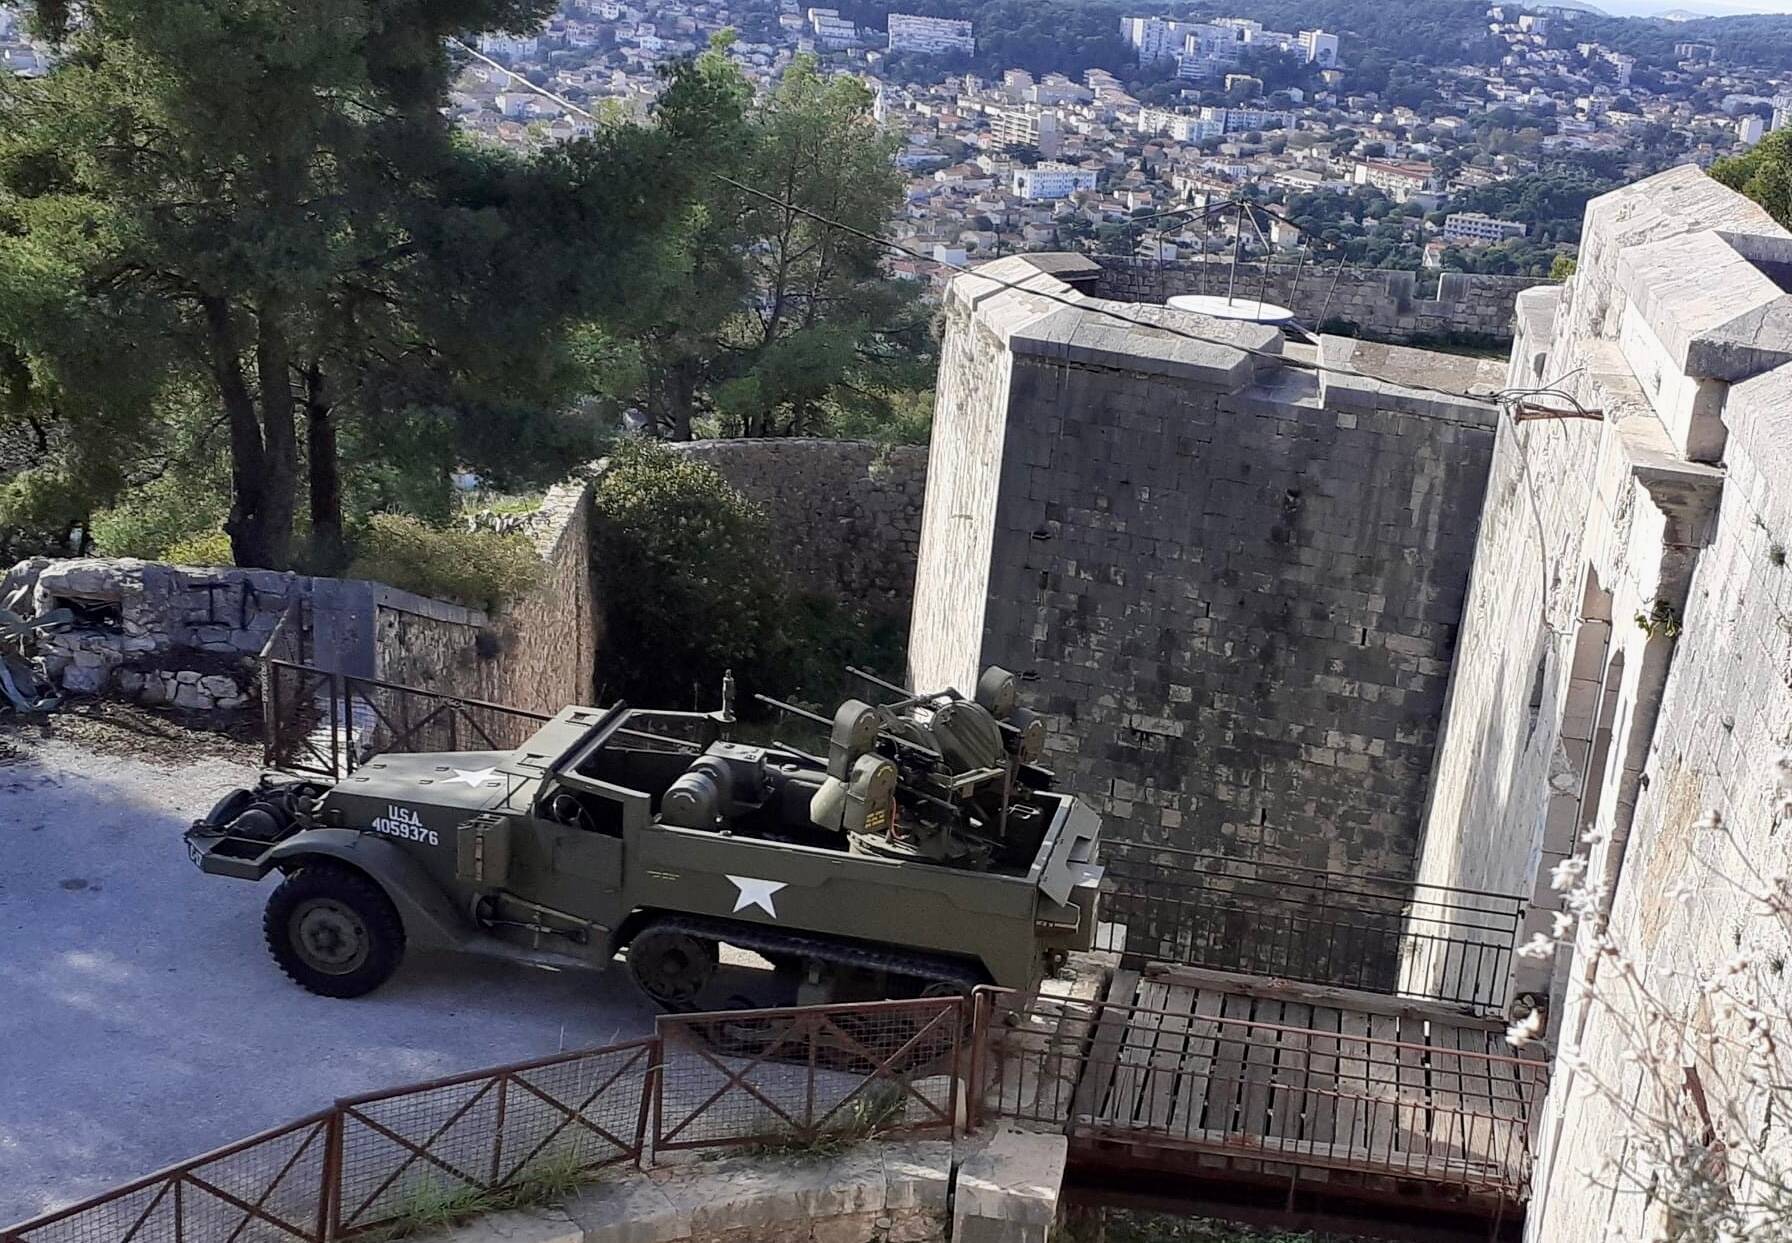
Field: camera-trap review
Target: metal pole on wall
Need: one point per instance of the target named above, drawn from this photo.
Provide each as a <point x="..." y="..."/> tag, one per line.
<point x="1237" y="249"/>
<point x="1319" y="324"/>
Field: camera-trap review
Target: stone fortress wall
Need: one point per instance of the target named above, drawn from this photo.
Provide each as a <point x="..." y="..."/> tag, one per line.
<point x="845" y="515"/>
<point x="1384" y="304"/>
<point x="1231" y="583"/>
<point x="1623" y="687"/>
<point x="539" y="653"/>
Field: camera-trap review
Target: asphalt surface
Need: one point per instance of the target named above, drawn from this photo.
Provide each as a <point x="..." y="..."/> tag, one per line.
<point x="141" y="1019"/>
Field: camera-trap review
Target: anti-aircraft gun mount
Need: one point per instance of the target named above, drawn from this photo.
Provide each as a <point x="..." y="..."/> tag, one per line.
<point x="934" y="778"/>
<point x="924" y="853"/>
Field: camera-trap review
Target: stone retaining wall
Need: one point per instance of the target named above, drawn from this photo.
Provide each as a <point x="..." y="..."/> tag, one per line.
<point x="189" y="636"/>
<point x="1002" y="1187"/>
<point x="890" y="1191"/>
<point x="1382" y="304"/>
<point x="539" y="653"/>
<point x="845" y="514"/>
<point x="161" y="634"/>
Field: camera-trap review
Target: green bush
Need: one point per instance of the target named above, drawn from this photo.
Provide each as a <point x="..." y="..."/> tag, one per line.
<point x="150" y="520"/>
<point x="38" y="508"/>
<point x="684" y="579"/>
<point x="206" y="548"/>
<point x="690" y="588"/>
<point x="476" y="569"/>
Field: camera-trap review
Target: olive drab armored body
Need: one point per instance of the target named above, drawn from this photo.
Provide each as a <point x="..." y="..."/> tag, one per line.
<point x="924" y="853"/>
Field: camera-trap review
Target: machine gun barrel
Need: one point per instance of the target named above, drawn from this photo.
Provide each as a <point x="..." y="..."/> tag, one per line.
<point x="909" y="697"/>
<point x="794" y="710"/>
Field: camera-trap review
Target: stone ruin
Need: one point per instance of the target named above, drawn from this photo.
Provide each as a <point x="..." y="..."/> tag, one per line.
<point x="156" y="634"/>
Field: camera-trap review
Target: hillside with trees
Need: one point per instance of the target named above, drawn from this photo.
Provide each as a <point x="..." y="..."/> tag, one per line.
<point x="245" y="259"/>
<point x="1763" y="40"/>
<point x="1070" y="36"/>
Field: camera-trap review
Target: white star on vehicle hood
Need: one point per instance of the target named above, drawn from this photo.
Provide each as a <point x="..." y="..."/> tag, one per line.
<point x="475" y="776"/>
<point x="756" y="893"/>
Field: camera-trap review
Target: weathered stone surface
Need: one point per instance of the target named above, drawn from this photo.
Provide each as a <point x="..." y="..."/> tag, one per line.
<point x="628" y="1209"/>
<point x="1008" y="1191"/>
<point x="845" y="515"/>
<point x="534" y="1225"/>
<point x="1236" y="607"/>
<point x="88" y="579"/>
<point x="842" y="1198"/>
<point x="84" y="679"/>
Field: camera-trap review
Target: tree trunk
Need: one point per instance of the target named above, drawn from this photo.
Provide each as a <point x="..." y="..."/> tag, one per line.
<point x="273" y="365"/>
<point x="247" y="524"/>
<point x="678" y="395"/>
<point x="329" y="549"/>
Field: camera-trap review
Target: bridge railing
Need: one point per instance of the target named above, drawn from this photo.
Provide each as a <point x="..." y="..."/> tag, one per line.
<point x="1350" y="930"/>
<point x="1351" y="1101"/>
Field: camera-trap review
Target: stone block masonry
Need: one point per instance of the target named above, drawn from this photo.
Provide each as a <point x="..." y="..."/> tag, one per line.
<point x="1234" y="588"/>
<point x="1382" y="304"/>
<point x="539" y="653"/>
<point x="845" y="515"/>
<point x="188" y="636"/>
<point x="1623" y="689"/>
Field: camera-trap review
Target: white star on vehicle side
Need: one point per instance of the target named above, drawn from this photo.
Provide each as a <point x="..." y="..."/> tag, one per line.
<point x="474" y="777"/>
<point x="756" y="893"/>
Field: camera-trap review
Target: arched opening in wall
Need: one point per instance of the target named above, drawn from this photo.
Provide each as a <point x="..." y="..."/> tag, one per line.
<point x="1577" y="779"/>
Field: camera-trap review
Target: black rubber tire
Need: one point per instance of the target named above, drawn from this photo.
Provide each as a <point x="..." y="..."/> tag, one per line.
<point x="352" y="898"/>
<point x="655" y="947"/>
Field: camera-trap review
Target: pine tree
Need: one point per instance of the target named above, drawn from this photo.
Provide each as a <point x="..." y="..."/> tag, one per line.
<point x="261" y="205"/>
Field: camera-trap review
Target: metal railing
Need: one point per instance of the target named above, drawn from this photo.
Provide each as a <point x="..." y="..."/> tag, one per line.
<point x="325" y="724"/>
<point x="1344" y="1102"/>
<point x="1378" y="934"/>
<point x="1347" y="1101"/>
<point x="794" y="1075"/>
<point x="704" y="1081"/>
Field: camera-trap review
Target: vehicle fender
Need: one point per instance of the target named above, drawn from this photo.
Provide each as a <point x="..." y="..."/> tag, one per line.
<point x="429" y="917"/>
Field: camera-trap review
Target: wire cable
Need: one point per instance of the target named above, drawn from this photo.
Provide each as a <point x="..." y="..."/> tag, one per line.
<point x="1095" y="306"/>
<point x="1013" y="286"/>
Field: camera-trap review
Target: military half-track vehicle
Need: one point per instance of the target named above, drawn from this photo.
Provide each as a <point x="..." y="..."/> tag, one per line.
<point x="924" y="854"/>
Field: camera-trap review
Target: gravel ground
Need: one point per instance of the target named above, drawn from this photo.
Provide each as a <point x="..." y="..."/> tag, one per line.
<point x="143" y="1021"/>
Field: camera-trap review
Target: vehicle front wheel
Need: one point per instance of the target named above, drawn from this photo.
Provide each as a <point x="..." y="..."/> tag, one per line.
<point x="333" y="931"/>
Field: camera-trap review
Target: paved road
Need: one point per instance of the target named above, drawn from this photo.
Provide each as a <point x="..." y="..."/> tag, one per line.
<point x="141" y="1020"/>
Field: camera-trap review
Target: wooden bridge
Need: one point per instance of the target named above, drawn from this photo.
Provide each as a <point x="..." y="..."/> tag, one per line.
<point x="1304" y="1103"/>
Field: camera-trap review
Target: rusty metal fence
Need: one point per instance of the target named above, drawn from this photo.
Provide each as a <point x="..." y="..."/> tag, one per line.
<point x="1379" y="934"/>
<point x="793" y="1076"/>
<point x="266" y="1187"/>
<point x="325" y="724"/>
<point x="487" y="1131"/>
<point x="769" y="1077"/>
